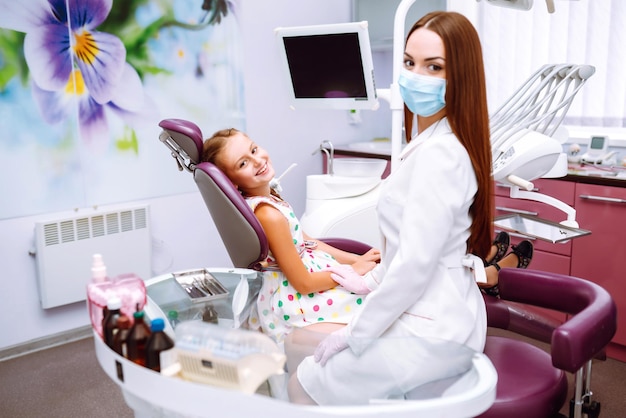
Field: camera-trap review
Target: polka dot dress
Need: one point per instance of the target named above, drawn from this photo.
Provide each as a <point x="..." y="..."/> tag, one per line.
<point x="279" y="306"/>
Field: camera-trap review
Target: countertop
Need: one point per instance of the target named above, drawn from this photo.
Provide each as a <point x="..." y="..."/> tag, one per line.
<point x="589" y="174"/>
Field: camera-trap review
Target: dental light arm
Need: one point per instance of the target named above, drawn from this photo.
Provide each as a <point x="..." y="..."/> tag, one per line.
<point x="521" y="131"/>
<point x="521" y="4"/>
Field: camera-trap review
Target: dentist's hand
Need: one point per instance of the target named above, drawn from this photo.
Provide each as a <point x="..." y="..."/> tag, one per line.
<point x="349" y="279"/>
<point x="331" y="345"/>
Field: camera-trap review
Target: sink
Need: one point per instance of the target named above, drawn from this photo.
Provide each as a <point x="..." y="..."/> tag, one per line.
<point x="378" y="147"/>
<point x="328" y="187"/>
<point x="359" y="167"/>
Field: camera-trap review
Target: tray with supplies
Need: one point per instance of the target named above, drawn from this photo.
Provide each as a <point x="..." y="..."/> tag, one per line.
<point x="200" y="285"/>
<point x="534" y="227"/>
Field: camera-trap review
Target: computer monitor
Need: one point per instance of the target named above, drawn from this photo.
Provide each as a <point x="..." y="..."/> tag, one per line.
<point x="328" y="66"/>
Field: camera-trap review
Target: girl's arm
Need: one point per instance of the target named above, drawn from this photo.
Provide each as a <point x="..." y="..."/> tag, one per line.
<point x="281" y="245"/>
<point x="361" y="263"/>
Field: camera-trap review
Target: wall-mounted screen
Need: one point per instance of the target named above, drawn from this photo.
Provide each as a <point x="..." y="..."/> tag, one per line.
<point x="328" y="66"/>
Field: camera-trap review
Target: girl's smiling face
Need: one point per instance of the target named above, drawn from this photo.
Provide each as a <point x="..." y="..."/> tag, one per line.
<point x="247" y="165"/>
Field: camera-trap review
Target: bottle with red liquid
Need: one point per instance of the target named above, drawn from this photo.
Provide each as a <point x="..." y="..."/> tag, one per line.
<point x="137" y="339"/>
<point x="119" y="340"/>
<point x="109" y="323"/>
<point x="158" y="349"/>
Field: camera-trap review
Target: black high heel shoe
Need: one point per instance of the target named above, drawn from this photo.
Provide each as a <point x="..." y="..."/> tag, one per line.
<point x="501" y="242"/>
<point x="524" y="253"/>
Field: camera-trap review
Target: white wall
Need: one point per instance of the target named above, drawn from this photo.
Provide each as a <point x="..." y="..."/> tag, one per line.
<point x="183" y="233"/>
<point x="292" y="136"/>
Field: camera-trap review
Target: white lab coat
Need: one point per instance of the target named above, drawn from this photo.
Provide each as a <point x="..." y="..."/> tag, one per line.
<point x="423" y="289"/>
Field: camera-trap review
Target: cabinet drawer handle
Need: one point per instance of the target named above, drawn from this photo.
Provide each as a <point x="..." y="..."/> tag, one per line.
<point x="511" y="210"/>
<point x="602" y="198"/>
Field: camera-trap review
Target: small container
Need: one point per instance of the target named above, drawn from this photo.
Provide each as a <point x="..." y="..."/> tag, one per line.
<point x="137" y="339"/>
<point x="109" y="323"/>
<point x="172" y="316"/>
<point x="159" y="351"/>
<point x="119" y="340"/>
<point x="201" y="286"/>
<point x="210" y="315"/>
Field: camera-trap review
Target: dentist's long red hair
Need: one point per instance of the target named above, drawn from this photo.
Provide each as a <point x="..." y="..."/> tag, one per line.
<point x="467" y="113"/>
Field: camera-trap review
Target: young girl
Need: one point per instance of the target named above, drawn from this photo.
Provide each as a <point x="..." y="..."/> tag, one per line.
<point x="301" y="286"/>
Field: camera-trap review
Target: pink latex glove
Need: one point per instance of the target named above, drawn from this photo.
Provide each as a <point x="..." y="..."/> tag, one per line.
<point x="334" y="343"/>
<point x="349" y="279"/>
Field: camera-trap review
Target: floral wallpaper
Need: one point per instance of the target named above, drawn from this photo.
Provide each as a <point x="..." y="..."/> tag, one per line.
<point x="84" y="83"/>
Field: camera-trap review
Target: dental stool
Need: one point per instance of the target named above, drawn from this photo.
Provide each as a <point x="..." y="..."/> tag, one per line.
<point x="531" y="382"/>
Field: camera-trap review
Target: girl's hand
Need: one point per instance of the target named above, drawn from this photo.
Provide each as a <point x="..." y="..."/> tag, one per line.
<point x="363" y="266"/>
<point x="372" y="255"/>
<point x="349" y="279"/>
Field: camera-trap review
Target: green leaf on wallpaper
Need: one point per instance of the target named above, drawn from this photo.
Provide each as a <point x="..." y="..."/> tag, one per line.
<point x="12" y="60"/>
<point x="128" y="142"/>
<point x="121" y="16"/>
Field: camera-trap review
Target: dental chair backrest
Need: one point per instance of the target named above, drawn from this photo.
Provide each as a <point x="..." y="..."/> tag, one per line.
<point x="235" y="221"/>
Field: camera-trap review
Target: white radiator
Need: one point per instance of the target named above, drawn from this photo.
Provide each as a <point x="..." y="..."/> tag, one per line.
<point x="65" y="246"/>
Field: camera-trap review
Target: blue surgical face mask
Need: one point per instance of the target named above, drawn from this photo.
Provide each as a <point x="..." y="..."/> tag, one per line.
<point x="423" y="95"/>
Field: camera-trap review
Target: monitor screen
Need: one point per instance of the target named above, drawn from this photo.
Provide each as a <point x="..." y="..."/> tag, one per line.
<point x="328" y="66"/>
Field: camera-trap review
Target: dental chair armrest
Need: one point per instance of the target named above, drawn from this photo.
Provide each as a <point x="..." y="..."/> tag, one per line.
<point x="519" y="319"/>
<point x="346" y="244"/>
<point x="586" y="334"/>
<point x="592" y="321"/>
<point x="498" y="315"/>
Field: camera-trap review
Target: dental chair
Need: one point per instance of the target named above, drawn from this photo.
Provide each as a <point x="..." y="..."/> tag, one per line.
<point x="238" y="227"/>
<point x="533" y="382"/>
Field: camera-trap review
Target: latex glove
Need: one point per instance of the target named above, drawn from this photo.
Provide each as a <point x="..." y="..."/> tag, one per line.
<point x="331" y="345"/>
<point x="349" y="279"/>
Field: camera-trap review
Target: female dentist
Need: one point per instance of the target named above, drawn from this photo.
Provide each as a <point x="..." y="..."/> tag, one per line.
<point x="435" y="214"/>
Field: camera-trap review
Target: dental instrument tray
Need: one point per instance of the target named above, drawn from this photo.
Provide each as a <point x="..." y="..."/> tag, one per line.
<point x="200" y="285"/>
<point x="535" y="227"/>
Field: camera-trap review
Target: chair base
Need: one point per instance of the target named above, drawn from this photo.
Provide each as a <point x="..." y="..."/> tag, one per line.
<point x="528" y="384"/>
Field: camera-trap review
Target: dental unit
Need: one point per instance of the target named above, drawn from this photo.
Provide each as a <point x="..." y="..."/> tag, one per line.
<point x="523" y="151"/>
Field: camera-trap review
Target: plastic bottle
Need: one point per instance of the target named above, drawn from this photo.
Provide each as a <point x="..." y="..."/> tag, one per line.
<point x="172" y="316"/>
<point x="109" y="324"/>
<point x="137" y="339"/>
<point x="210" y="315"/>
<point x="97" y="293"/>
<point x="119" y="340"/>
<point x="158" y="347"/>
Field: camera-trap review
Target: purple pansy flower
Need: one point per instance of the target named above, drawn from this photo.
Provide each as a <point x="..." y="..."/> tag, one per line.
<point x="70" y="60"/>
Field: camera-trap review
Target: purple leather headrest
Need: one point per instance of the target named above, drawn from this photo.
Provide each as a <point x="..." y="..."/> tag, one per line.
<point x="187" y="135"/>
